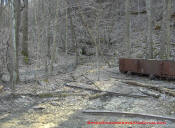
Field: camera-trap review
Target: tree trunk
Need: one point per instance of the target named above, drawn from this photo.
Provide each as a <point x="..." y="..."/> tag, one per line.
<point x="14" y="42"/>
<point x="74" y="38"/>
<point x="18" y="19"/>
<point x="49" y="42"/>
<point x="149" y="30"/>
<point x="25" y="32"/>
<point x="127" y="36"/>
<point x="54" y="39"/>
<point x="168" y="28"/>
<point x="66" y="42"/>
<point x="163" y="40"/>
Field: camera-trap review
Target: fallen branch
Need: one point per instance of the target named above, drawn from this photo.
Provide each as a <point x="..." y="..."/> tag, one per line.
<point x="45" y="95"/>
<point x="112" y="113"/>
<point x="97" y="95"/>
<point x="160" y="89"/>
<point x="91" y="81"/>
<point x="48" y="95"/>
<point x="148" y="93"/>
<point x="107" y="92"/>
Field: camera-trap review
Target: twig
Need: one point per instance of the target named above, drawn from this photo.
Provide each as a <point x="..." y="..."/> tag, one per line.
<point x="112" y="113"/>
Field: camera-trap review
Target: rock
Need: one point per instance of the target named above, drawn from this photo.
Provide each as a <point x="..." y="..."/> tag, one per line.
<point x="1" y="87"/>
<point x="6" y="77"/>
<point x="39" y="107"/>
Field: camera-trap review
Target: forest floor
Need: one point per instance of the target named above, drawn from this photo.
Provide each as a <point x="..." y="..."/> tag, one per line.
<point x="51" y="104"/>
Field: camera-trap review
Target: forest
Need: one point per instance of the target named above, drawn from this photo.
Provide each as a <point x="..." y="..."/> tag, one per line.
<point x="59" y="63"/>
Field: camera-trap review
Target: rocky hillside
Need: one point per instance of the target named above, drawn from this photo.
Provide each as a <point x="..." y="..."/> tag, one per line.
<point x="111" y="25"/>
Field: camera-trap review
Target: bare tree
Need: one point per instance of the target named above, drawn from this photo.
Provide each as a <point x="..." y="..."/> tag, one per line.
<point x="149" y="29"/>
<point x="25" y="32"/>
<point x="168" y="27"/>
<point x="163" y="38"/>
<point x="14" y="40"/>
<point x="127" y="37"/>
<point x="66" y="36"/>
<point x="73" y="37"/>
<point x="54" y="38"/>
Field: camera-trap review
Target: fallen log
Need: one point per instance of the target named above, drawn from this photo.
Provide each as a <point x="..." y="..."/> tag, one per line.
<point x="115" y="113"/>
<point x="107" y="92"/>
<point x="152" y="87"/>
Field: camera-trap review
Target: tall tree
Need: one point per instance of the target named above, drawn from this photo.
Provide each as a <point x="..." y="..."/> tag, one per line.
<point x="66" y="33"/>
<point x="25" y="32"/>
<point x="18" y="21"/>
<point x="168" y="27"/>
<point x="14" y="30"/>
<point x="73" y="36"/>
<point x="49" y="41"/>
<point x="53" y="54"/>
<point x="149" y="29"/>
<point x="163" y="38"/>
<point x="127" y="18"/>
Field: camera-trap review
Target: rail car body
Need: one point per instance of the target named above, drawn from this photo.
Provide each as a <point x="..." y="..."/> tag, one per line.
<point x="158" y="68"/>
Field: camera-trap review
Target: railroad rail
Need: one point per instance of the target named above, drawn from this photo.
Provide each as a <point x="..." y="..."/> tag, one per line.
<point x="151" y="67"/>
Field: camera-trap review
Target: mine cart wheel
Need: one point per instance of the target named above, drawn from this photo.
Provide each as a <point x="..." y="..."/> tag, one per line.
<point x="152" y="77"/>
<point x="123" y="72"/>
<point x="129" y="73"/>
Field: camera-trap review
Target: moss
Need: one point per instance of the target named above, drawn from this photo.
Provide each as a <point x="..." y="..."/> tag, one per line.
<point x="24" y="53"/>
<point x="26" y="59"/>
<point x="46" y="80"/>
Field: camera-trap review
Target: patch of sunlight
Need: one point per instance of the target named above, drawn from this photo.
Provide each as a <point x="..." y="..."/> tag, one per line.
<point x="92" y="71"/>
<point x="49" y="117"/>
<point x="40" y="125"/>
<point x="10" y="124"/>
<point x="104" y="84"/>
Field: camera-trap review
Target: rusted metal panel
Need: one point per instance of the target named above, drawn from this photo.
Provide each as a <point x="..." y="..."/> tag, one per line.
<point x="168" y="69"/>
<point x="150" y="67"/>
<point x="161" y="68"/>
<point x="128" y="65"/>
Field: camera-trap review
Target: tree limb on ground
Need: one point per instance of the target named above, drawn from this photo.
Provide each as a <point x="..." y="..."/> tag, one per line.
<point x="149" y="93"/>
<point x="97" y="95"/>
<point x="112" y="113"/>
<point x="45" y="95"/>
<point x="160" y="89"/>
<point x="91" y="81"/>
<point x="107" y="92"/>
